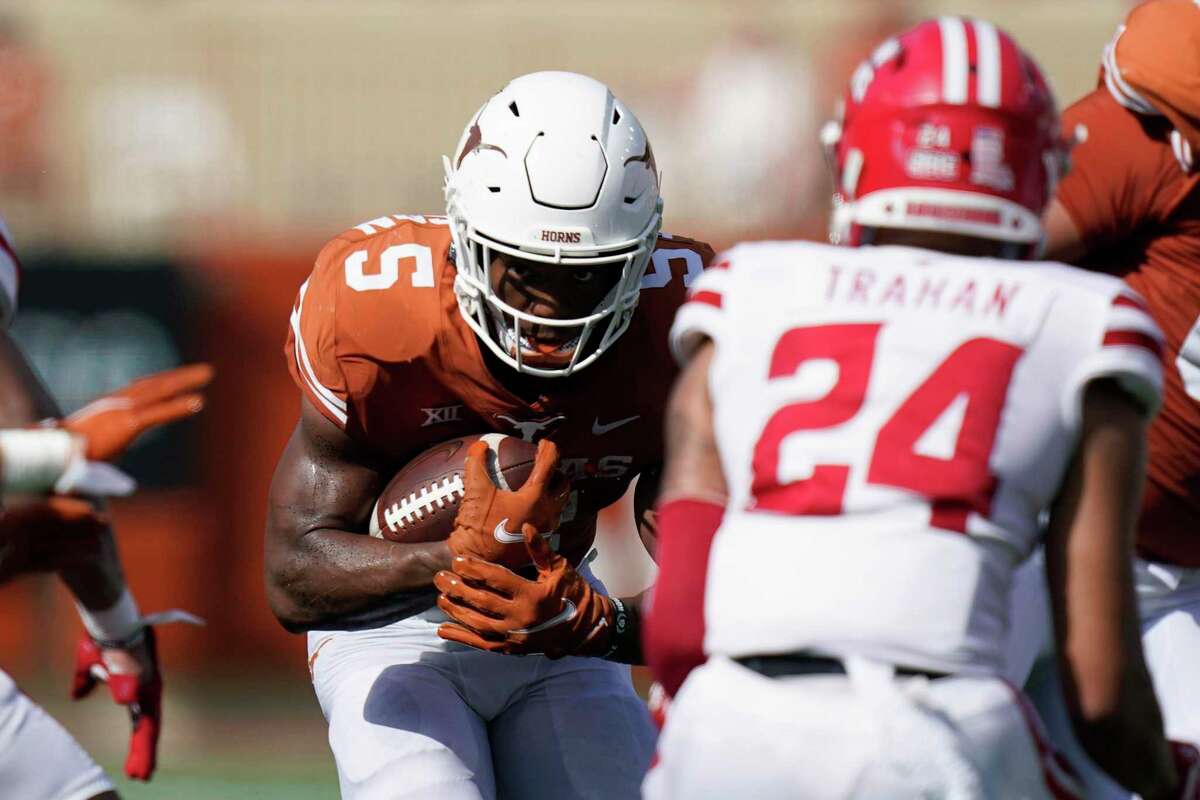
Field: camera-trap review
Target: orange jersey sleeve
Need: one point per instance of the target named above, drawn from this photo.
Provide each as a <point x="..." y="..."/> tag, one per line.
<point x="311" y="348"/>
<point x="1122" y="175"/>
<point x="369" y="302"/>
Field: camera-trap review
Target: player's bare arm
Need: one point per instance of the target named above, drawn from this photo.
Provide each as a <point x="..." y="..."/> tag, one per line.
<point x="88" y="564"/>
<point x="320" y="563"/>
<point x="1088" y="549"/>
<point x="645" y="494"/>
<point x="1063" y="240"/>
<point x="24" y="399"/>
<point x="693" y="466"/>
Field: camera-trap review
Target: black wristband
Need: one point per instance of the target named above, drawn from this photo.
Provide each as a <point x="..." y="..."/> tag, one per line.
<point x="625" y="644"/>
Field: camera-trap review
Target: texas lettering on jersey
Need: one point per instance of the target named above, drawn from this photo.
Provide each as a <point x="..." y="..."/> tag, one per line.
<point x="378" y="345"/>
<point x="1137" y="208"/>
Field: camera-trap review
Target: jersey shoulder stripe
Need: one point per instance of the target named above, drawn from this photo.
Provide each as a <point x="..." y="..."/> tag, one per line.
<point x="325" y="397"/>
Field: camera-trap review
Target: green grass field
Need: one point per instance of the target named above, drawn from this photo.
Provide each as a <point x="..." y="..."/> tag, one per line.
<point x="265" y="781"/>
<point x="222" y="740"/>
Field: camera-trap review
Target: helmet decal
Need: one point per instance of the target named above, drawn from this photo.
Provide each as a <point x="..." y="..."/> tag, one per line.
<point x="949" y="126"/>
<point x="474" y="143"/>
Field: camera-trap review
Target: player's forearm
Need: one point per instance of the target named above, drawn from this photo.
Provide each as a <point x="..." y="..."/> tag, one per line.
<point x="329" y="574"/>
<point x="24" y="399"/>
<point x="96" y="581"/>
<point x="1127" y="742"/>
<point x="1088" y="547"/>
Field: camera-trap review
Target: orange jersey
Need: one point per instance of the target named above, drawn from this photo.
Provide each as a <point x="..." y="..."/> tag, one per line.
<point x="1138" y="212"/>
<point x="378" y="345"/>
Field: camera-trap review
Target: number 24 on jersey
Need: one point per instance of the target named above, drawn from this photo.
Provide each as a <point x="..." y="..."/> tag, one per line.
<point x="978" y="370"/>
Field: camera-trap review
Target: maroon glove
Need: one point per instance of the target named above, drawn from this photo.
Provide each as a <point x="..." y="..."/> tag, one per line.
<point x="1187" y="764"/>
<point x="141" y="693"/>
<point x="49" y="535"/>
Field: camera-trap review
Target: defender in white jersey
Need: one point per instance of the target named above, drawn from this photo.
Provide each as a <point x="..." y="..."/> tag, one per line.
<point x="861" y="445"/>
<point x="866" y="403"/>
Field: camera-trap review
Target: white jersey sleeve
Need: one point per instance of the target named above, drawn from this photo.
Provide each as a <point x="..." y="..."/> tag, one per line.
<point x="701" y="316"/>
<point x="10" y="275"/>
<point x="1127" y="349"/>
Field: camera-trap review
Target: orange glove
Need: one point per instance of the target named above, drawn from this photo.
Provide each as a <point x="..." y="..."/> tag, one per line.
<point x="49" y="535"/>
<point x="492" y="608"/>
<point x="488" y="517"/>
<point x="110" y="423"/>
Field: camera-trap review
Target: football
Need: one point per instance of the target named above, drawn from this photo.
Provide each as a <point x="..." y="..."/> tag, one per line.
<point x="419" y="504"/>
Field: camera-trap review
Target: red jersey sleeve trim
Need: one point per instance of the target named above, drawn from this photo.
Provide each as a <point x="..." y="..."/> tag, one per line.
<point x="1131" y="301"/>
<point x="707" y="297"/>
<point x="1129" y="338"/>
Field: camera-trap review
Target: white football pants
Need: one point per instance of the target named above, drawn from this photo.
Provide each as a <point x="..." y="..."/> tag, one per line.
<point x="732" y="733"/>
<point x="39" y="760"/>
<point x="1169" y="607"/>
<point x="414" y="716"/>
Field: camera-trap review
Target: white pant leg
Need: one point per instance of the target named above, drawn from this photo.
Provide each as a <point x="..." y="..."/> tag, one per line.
<point x="39" y="760"/>
<point x="733" y="733"/>
<point x="1169" y="600"/>
<point x="409" y="711"/>
<point x="1030" y="629"/>
<point x="398" y="724"/>
<point x="576" y="732"/>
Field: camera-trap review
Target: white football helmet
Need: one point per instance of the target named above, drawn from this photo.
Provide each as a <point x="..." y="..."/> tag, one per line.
<point x="557" y="170"/>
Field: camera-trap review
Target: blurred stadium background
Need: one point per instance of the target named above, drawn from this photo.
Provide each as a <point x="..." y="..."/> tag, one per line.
<point x="170" y="167"/>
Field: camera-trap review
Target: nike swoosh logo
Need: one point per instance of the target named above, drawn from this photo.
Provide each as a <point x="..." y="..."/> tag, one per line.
<point x="599" y="429"/>
<point x="566" y="615"/>
<point x="504" y="535"/>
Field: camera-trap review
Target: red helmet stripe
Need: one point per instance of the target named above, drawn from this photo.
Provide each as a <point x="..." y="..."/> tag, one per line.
<point x="954" y="60"/>
<point x="987" y="60"/>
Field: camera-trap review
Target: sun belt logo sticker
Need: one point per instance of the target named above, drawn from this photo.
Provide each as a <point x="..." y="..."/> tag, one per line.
<point x="987" y="160"/>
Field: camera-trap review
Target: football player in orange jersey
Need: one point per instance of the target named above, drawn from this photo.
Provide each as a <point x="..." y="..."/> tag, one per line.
<point x="1130" y="205"/>
<point x="537" y="307"/>
<point x="70" y="537"/>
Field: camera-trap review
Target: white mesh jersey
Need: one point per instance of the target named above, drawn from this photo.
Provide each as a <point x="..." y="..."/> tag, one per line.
<point x="10" y="275"/>
<point x="891" y="422"/>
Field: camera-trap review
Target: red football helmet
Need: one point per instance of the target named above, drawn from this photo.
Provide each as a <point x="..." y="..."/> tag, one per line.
<point x="948" y="127"/>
